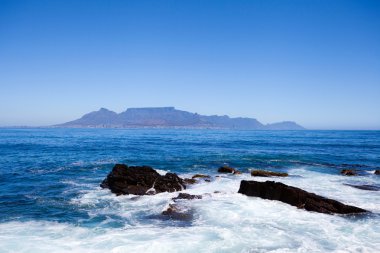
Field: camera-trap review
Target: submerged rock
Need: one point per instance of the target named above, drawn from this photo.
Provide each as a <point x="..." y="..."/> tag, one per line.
<point x="227" y="169"/>
<point x="365" y="187"/>
<point x="348" y="172"/>
<point x="140" y="180"/>
<point x="176" y="213"/>
<point x="189" y="181"/>
<point x="377" y="172"/>
<point x="187" y="196"/>
<point x="296" y="197"/>
<point x="200" y="176"/>
<point x="170" y="210"/>
<point x="265" y="173"/>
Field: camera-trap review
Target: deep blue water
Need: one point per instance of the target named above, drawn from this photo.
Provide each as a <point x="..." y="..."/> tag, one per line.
<point x="45" y="172"/>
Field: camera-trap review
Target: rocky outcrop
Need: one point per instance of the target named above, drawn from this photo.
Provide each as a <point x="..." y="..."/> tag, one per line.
<point x="140" y="180"/>
<point x="265" y="173"/>
<point x="296" y="197"/>
<point x="348" y="172"/>
<point x="227" y="169"/>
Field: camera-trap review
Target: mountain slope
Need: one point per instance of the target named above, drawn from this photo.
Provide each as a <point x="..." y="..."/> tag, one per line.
<point x="171" y="117"/>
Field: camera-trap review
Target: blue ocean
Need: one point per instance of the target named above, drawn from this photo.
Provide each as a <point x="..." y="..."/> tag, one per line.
<point x="51" y="201"/>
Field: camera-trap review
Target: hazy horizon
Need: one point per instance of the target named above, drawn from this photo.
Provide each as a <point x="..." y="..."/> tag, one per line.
<point x="312" y="62"/>
<point x="265" y="123"/>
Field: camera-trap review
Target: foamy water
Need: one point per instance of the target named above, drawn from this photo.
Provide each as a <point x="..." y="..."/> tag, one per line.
<point x="222" y="222"/>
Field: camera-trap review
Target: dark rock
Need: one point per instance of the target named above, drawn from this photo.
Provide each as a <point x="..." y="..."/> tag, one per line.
<point x="140" y="180"/>
<point x="175" y="213"/>
<point x="377" y="172"/>
<point x="170" y="210"/>
<point x="264" y="173"/>
<point x="187" y="196"/>
<point x="365" y="187"/>
<point x="200" y="176"/>
<point x="189" y="181"/>
<point x="348" y="172"/>
<point x="227" y="169"/>
<point x="296" y="197"/>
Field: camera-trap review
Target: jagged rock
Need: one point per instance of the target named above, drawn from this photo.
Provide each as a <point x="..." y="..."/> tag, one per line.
<point x="377" y="172"/>
<point x="186" y="196"/>
<point x="200" y="176"/>
<point x="296" y="197"/>
<point x="264" y="173"/>
<point x="140" y="180"/>
<point x="170" y="210"/>
<point x="176" y="213"/>
<point x="365" y="187"/>
<point x="227" y="169"/>
<point x="348" y="172"/>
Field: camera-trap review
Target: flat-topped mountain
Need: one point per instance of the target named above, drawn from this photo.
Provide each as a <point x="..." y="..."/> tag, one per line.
<point x="170" y="117"/>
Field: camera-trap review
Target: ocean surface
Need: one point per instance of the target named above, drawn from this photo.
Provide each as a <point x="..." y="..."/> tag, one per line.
<point x="50" y="199"/>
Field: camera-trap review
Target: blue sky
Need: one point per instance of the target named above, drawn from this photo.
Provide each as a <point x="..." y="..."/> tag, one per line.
<point x="314" y="62"/>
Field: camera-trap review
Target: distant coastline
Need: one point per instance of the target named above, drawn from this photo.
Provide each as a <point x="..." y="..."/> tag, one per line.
<point x="170" y="117"/>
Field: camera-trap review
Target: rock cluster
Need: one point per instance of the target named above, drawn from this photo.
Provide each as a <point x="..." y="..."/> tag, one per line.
<point x="144" y="180"/>
<point x="140" y="180"/>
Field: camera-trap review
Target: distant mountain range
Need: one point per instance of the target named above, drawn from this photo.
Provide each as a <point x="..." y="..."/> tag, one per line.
<point x="169" y="117"/>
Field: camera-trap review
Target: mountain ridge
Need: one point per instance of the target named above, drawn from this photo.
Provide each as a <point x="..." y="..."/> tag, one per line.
<point x="170" y="117"/>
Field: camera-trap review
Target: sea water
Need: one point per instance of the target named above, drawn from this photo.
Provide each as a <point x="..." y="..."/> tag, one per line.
<point x="51" y="201"/>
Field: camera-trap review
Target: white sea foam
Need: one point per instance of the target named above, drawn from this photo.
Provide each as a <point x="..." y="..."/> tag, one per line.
<point x="223" y="222"/>
<point x="162" y="172"/>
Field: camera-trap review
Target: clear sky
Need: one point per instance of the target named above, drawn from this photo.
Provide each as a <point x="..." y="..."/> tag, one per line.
<point x="314" y="62"/>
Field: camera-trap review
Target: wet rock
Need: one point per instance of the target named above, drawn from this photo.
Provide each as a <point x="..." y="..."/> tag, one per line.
<point x="296" y="197"/>
<point x="365" y="187"/>
<point x="200" y="176"/>
<point x="189" y="181"/>
<point x="264" y="173"/>
<point x="227" y="169"/>
<point x="347" y="172"/>
<point x="377" y="172"/>
<point x="187" y="196"/>
<point x="140" y="180"/>
<point x="170" y="210"/>
<point x="176" y="213"/>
